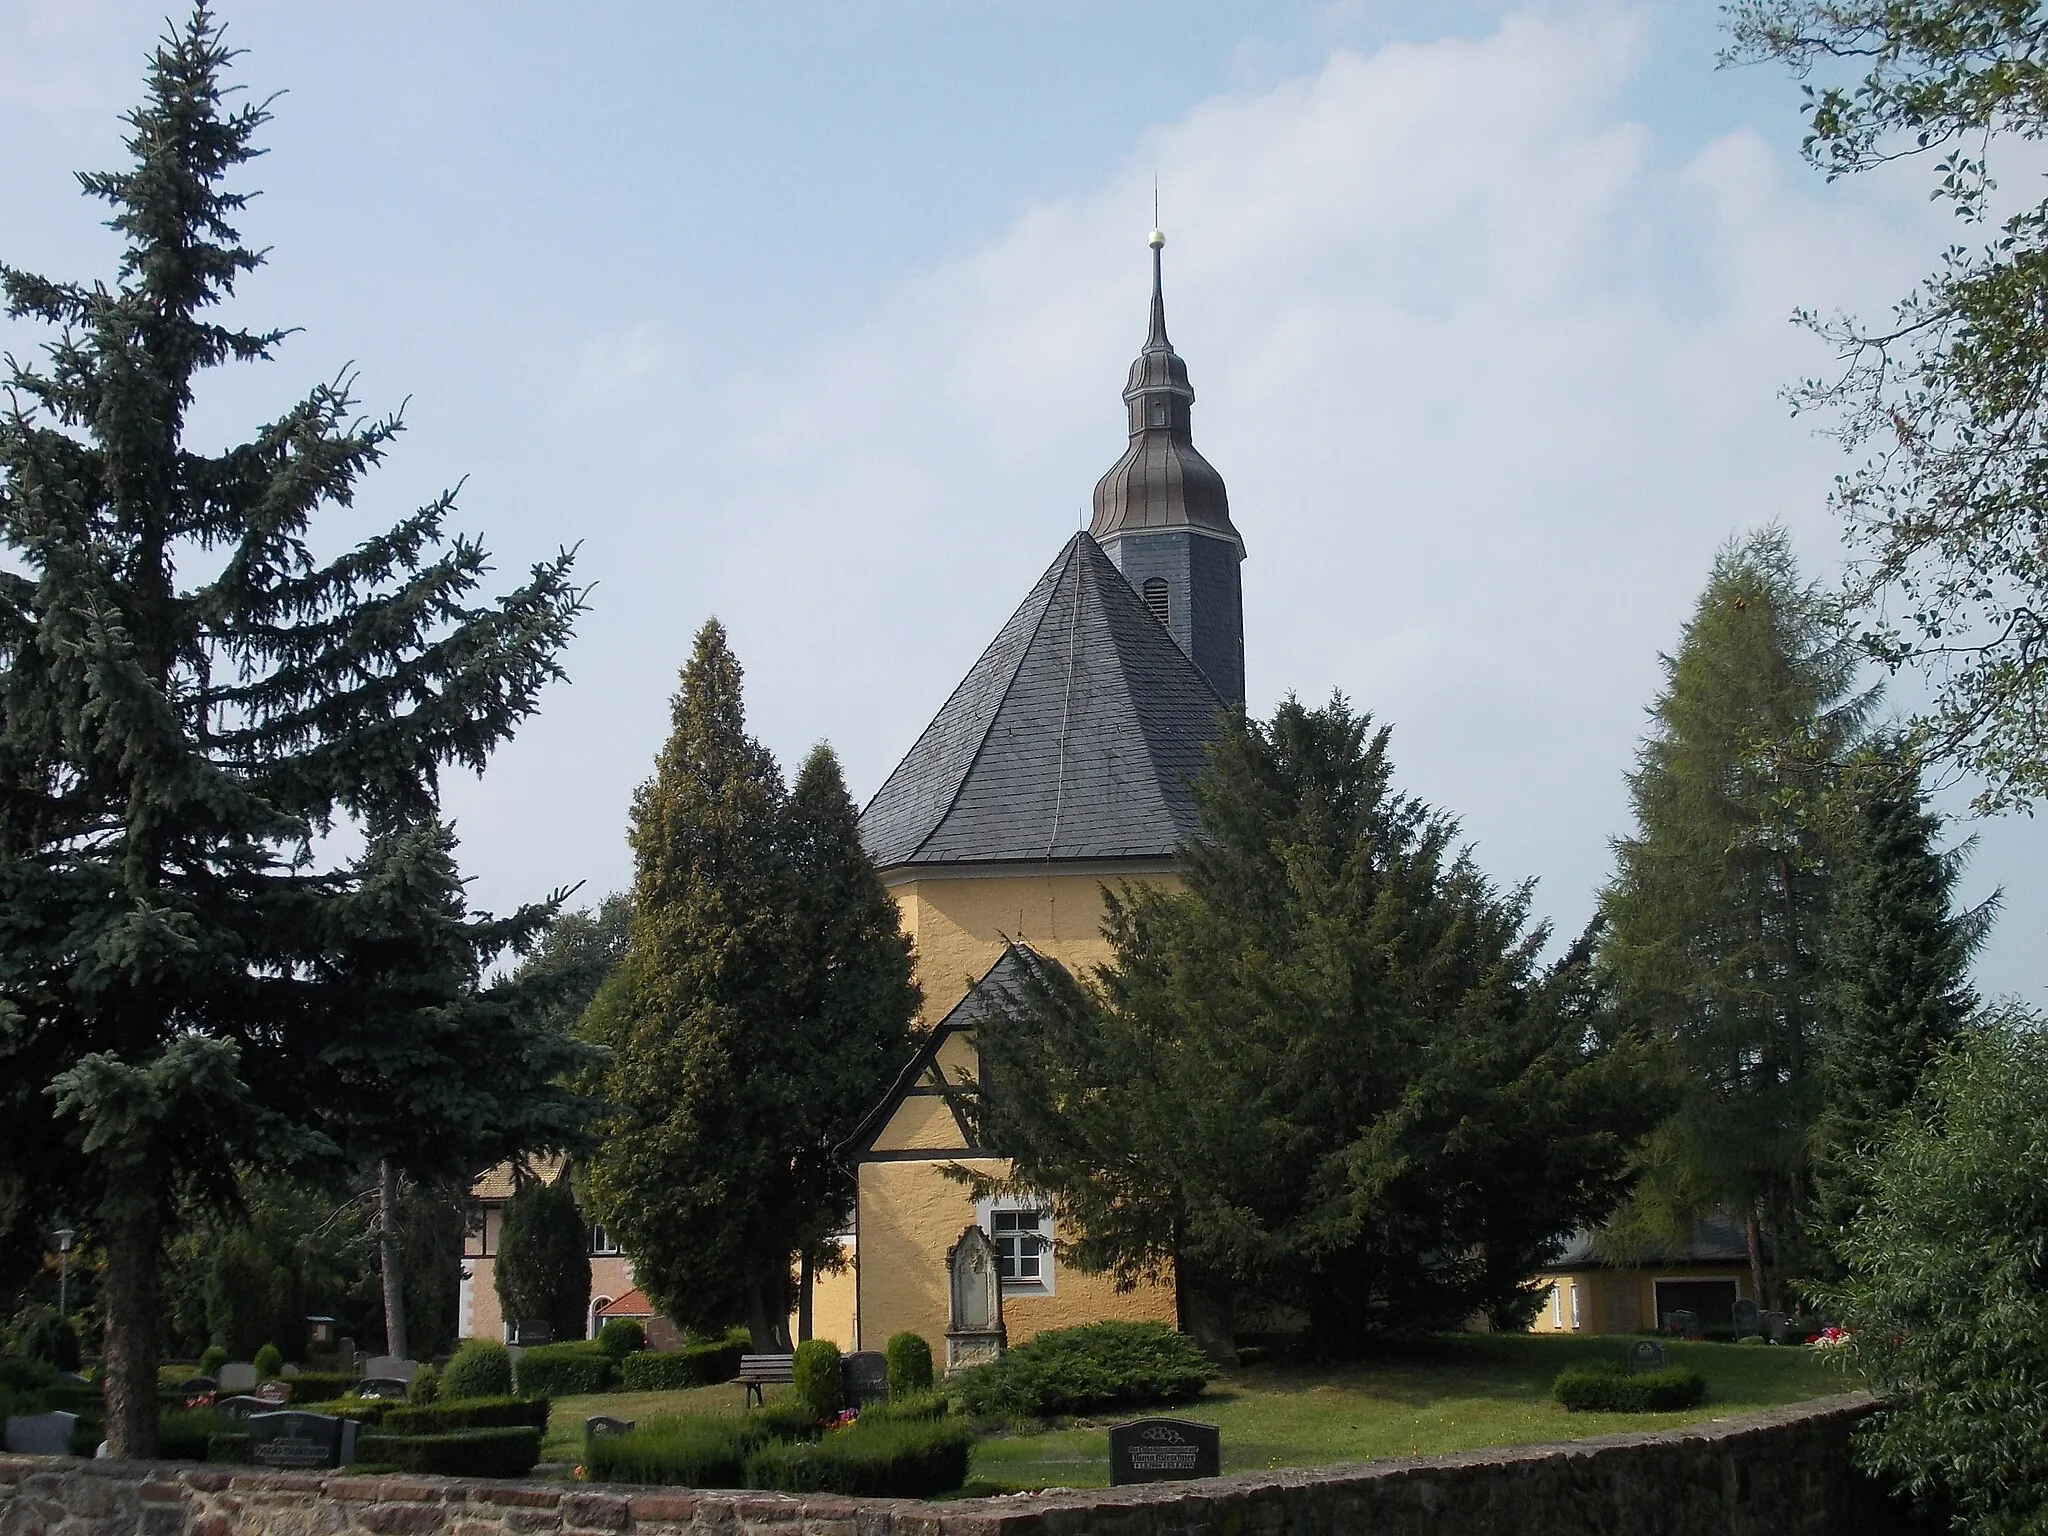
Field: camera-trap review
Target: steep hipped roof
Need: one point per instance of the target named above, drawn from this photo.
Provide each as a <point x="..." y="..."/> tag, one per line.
<point x="1075" y="736"/>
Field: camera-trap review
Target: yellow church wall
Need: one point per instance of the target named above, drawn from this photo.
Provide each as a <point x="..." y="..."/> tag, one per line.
<point x="920" y="1121"/>
<point x="960" y="923"/>
<point x="911" y="1213"/>
<point x="1618" y="1300"/>
<point x="957" y="1060"/>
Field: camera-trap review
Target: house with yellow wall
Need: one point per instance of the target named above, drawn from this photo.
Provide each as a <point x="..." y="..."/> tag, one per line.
<point x="1061" y="767"/>
<point x="1593" y="1292"/>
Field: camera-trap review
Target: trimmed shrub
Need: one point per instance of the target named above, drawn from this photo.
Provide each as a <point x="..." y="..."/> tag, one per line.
<point x="564" y="1370"/>
<point x="910" y="1365"/>
<point x="693" y="1451"/>
<point x="674" y="1370"/>
<point x="229" y="1445"/>
<point x="425" y="1385"/>
<point x="364" y="1410"/>
<point x="183" y="1434"/>
<point x="819" y="1384"/>
<point x="480" y="1369"/>
<point x="1594" y="1391"/>
<point x="787" y="1418"/>
<point x="322" y="1386"/>
<point x="906" y="1410"/>
<point x="1092" y="1369"/>
<point x="24" y="1375"/>
<point x="41" y="1333"/>
<point x="464" y="1413"/>
<point x="211" y="1359"/>
<point x="904" y="1461"/>
<point x="509" y="1452"/>
<point x="621" y="1336"/>
<point x="268" y="1362"/>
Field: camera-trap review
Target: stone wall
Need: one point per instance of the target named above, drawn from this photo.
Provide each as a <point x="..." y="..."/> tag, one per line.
<point x="1782" y="1473"/>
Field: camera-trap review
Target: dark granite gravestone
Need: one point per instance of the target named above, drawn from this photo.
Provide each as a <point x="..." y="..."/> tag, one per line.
<point x="603" y="1424"/>
<point x="1683" y="1322"/>
<point x="1645" y="1355"/>
<point x="1745" y="1316"/>
<point x="1776" y="1326"/>
<point x="41" y="1434"/>
<point x="1163" y="1450"/>
<point x="382" y="1386"/>
<point x="865" y="1376"/>
<point x="275" y="1393"/>
<point x="239" y="1408"/>
<point x="529" y="1332"/>
<point x="197" y="1387"/>
<point x="295" y="1441"/>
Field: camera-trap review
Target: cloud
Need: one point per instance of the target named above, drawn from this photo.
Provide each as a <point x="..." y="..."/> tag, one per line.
<point x="1490" y="372"/>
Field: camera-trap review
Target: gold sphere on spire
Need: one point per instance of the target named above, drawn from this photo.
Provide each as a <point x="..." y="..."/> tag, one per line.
<point x="1156" y="240"/>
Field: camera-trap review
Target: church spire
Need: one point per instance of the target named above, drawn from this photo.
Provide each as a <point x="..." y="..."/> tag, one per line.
<point x="1162" y="514"/>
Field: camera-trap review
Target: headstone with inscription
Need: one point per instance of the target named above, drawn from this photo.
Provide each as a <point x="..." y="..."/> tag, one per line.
<point x="1682" y="1321"/>
<point x="604" y="1424"/>
<point x="529" y="1332"/>
<point x="41" y="1434"/>
<point x="275" y="1393"/>
<point x="295" y="1441"/>
<point x="391" y="1367"/>
<point x="1163" y="1450"/>
<point x="974" y="1325"/>
<point x="865" y="1376"/>
<point x="1776" y="1327"/>
<point x="237" y="1376"/>
<point x="1645" y="1355"/>
<point x="1745" y="1317"/>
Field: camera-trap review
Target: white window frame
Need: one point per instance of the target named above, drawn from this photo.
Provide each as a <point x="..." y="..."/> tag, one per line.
<point x="1577" y="1325"/>
<point x="602" y="1244"/>
<point x="1557" y="1305"/>
<point x="1047" y="1283"/>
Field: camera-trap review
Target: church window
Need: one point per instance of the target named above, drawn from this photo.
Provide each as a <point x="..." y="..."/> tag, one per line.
<point x="1020" y="1227"/>
<point x="601" y="1241"/>
<point x="1155" y="597"/>
<point x="1158" y="413"/>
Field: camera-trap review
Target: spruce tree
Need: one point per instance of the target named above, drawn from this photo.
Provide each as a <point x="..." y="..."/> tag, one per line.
<point x="1330" y="1074"/>
<point x="1897" y="980"/>
<point x="191" y="697"/>
<point x="762" y="1007"/>
<point x="1718" y="909"/>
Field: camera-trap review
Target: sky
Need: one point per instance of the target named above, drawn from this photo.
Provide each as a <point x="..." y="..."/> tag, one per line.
<point x="814" y="317"/>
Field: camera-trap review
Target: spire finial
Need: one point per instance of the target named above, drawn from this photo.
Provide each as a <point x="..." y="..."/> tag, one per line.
<point x="1157" y="238"/>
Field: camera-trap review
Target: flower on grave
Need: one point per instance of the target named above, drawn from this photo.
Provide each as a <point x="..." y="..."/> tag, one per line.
<point x="1831" y="1338"/>
<point x="842" y="1418"/>
<point x="579" y="1474"/>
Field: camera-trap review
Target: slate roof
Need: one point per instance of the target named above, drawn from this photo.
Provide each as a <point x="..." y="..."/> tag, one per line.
<point x="1075" y="736"/>
<point x="1717" y="1240"/>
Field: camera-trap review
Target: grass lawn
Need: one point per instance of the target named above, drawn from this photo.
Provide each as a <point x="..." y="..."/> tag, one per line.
<point x="1457" y="1393"/>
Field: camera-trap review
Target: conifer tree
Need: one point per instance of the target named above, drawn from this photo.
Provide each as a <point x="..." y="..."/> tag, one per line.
<point x="1329" y="1074"/>
<point x="1897" y="980"/>
<point x="762" y="1007"/>
<point x="190" y="697"/>
<point x="543" y="1269"/>
<point x="1718" y="909"/>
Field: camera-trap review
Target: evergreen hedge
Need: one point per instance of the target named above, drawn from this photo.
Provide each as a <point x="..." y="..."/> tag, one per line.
<point x="621" y="1336"/>
<point x="183" y="1434"/>
<point x="910" y="1365"/>
<point x="503" y="1452"/>
<point x="694" y="1365"/>
<point x="480" y="1368"/>
<point x="1597" y="1391"/>
<point x="692" y="1451"/>
<point x="464" y="1413"/>
<point x="820" y="1385"/>
<point x="321" y="1386"/>
<point x="1093" y="1369"/>
<point x="900" y="1460"/>
<point x="565" y="1370"/>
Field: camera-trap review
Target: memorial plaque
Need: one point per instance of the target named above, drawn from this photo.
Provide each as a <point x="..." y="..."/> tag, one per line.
<point x="237" y="1376"/>
<point x="275" y="1393"/>
<point x="294" y="1441"/>
<point x="865" y="1376"/>
<point x="530" y="1332"/>
<point x="1163" y="1450"/>
<point x="1645" y="1355"/>
<point x="603" y="1424"/>
<point x="41" y="1434"/>
<point x="1745" y="1317"/>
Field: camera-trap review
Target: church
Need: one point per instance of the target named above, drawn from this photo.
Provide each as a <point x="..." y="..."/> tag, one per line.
<point x="1060" y="766"/>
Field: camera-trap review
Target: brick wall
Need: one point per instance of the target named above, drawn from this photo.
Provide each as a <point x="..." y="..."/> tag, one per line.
<point x="1782" y="1473"/>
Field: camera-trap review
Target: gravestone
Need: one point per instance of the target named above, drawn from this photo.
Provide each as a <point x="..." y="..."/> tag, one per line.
<point x="1745" y="1317"/>
<point x="1163" y="1450"/>
<point x="1776" y="1326"/>
<point x="196" y="1387"/>
<point x="1645" y="1355"/>
<point x="865" y="1376"/>
<point x="41" y="1434"/>
<point x="391" y="1367"/>
<point x="603" y="1424"/>
<point x="237" y="1376"/>
<point x="974" y="1290"/>
<point x="239" y="1408"/>
<point x="275" y="1393"/>
<point x="382" y="1386"/>
<point x="1683" y="1322"/>
<point x="295" y="1441"/>
<point x="530" y="1332"/>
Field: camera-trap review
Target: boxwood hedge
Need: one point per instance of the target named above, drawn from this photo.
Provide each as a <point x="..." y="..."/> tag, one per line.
<point x="1609" y="1391"/>
<point x="1100" y="1367"/>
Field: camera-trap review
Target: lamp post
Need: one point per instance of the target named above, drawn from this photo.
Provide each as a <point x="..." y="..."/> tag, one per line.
<point x="64" y="1237"/>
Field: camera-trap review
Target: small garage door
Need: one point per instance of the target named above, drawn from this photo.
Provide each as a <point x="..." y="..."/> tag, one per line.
<point x="1713" y="1300"/>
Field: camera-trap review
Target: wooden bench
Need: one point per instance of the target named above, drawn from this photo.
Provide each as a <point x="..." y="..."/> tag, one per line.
<point x="758" y="1371"/>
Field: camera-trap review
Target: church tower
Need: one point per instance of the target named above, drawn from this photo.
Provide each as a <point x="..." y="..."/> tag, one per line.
<point x="1163" y="517"/>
